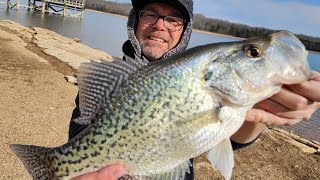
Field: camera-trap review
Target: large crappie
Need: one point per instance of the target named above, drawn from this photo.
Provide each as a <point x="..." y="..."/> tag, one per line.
<point x="170" y="111"/>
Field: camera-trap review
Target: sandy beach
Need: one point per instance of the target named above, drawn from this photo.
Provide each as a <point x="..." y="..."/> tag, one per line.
<point x="36" y="103"/>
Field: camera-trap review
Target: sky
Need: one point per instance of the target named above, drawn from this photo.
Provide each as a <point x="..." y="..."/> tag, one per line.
<point x="297" y="16"/>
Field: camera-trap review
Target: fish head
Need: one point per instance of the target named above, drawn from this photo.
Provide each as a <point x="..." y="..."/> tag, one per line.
<point x="246" y="72"/>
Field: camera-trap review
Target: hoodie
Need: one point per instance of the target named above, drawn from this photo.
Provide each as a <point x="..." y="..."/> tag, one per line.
<point x="132" y="48"/>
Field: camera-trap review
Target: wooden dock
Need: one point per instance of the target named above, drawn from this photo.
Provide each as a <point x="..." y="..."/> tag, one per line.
<point x="307" y="129"/>
<point x="73" y="8"/>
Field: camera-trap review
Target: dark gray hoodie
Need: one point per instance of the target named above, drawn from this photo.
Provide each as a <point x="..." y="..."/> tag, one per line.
<point x="132" y="48"/>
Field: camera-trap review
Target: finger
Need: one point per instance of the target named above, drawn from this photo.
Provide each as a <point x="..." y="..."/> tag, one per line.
<point x="261" y="116"/>
<point x="113" y="172"/>
<point x="304" y="114"/>
<point x="280" y="110"/>
<point x="291" y="99"/>
<point x="271" y="106"/>
<point x="310" y="88"/>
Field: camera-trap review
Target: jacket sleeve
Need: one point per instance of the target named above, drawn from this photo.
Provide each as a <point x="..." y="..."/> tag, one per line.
<point x="75" y="128"/>
<point x="237" y="146"/>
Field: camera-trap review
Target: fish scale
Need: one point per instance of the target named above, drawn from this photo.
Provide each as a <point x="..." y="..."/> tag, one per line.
<point x="121" y="113"/>
<point x="166" y="112"/>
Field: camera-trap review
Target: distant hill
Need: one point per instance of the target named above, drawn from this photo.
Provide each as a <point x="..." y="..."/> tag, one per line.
<point x="207" y="24"/>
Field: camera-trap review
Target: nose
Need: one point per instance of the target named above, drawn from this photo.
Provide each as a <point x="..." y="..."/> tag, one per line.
<point x="159" y="25"/>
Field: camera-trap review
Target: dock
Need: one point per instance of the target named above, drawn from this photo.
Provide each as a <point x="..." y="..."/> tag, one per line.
<point x="307" y="129"/>
<point x="73" y="8"/>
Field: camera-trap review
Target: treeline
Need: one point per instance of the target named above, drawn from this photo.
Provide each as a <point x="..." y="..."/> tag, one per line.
<point x="109" y="7"/>
<point x="206" y="24"/>
<point x="244" y="31"/>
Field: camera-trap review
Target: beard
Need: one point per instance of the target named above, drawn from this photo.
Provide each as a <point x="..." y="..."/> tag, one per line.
<point x="152" y="52"/>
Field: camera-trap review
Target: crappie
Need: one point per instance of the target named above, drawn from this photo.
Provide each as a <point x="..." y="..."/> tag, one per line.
<point x="170" y="111"/>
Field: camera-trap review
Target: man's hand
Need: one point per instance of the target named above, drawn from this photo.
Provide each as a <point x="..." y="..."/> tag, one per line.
<point x="293" y="104"/>
<point x="113" y="172"/>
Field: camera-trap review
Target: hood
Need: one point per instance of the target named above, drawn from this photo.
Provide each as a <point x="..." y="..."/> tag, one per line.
<point x="132" y="47"/>
<point x="185" y="6"/>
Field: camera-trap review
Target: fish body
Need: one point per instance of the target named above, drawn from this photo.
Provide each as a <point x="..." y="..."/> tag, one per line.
<point x="170" y="111"/>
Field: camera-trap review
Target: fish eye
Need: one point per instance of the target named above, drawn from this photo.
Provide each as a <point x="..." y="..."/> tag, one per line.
<point x="253" y="51"/>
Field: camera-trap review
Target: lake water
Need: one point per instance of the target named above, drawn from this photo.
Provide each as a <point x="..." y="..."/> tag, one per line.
<point x="107" y="32"/>
<point x="103" y="31"/>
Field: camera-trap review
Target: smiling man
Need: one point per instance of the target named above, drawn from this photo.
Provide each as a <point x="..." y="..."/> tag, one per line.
<point x="157" y="35"/>
<point x="158" y="29"/>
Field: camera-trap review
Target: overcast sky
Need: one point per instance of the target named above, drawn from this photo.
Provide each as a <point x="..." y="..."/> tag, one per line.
<point x="298" y="16"/>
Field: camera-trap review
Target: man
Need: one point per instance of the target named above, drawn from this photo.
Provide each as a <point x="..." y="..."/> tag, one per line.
<point x="158" y="29"/>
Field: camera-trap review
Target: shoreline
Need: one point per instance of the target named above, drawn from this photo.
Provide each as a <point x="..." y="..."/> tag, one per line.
<point x="314" y="52"/>
<point x="217" y="34"/>
<point x="122" y="16"/>
<point x="195" y="30"/>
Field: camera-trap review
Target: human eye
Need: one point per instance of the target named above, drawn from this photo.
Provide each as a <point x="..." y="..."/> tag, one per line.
<point x="174" y="20"/>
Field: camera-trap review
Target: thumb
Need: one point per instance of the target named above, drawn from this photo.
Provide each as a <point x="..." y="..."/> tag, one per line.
<point x="113" y="171"/>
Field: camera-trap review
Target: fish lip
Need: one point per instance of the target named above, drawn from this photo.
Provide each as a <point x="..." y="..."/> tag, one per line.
<point x="288" y="42"/>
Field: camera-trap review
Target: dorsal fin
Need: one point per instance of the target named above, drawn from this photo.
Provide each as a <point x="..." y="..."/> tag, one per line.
<point x="99" y="80"/>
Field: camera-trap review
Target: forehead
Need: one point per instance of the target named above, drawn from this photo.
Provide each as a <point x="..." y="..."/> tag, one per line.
<point x="163" y="9"/>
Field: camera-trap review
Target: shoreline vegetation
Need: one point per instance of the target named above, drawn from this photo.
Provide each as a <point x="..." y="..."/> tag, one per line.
<point x="208" y="25"/>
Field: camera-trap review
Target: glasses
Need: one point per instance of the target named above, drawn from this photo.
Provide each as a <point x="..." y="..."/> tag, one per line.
<point x="170" y="22"/>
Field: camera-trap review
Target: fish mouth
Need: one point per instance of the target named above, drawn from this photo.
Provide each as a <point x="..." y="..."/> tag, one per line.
<point x="285" y="37"/>
<point x="292" y="51"/>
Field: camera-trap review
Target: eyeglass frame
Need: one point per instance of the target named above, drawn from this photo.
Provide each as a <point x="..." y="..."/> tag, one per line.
<point x="184" y="22"/>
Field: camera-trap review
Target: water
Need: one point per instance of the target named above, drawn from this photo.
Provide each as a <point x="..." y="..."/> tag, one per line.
<point x="104" y="31"/>
<point x="108" y="32"/>
<point x="98" y="30"/>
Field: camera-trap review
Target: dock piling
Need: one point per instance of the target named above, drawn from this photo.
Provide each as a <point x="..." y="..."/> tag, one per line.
<point x="61" y="7"/>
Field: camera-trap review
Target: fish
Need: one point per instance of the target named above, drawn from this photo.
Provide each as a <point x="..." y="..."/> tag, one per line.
<point x="154" y="117"/>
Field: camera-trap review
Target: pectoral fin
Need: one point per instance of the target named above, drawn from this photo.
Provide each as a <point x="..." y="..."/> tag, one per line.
<point x="221" y="157"/>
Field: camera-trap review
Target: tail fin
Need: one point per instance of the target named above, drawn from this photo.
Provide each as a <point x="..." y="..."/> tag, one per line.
<point x="35" y="160"/>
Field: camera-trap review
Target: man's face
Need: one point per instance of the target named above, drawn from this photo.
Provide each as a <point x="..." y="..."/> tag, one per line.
<point x="156" y="39"/>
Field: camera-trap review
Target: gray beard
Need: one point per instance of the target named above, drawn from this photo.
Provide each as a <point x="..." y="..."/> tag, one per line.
<point x="149" y="54"/>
